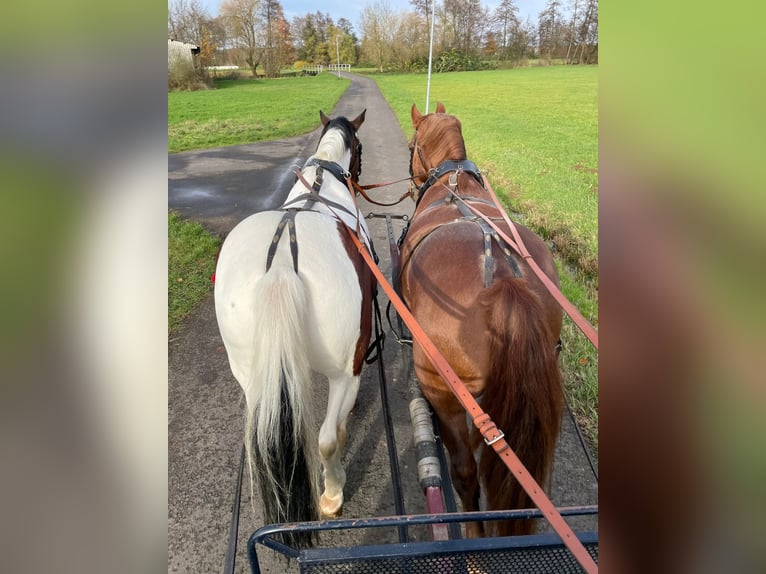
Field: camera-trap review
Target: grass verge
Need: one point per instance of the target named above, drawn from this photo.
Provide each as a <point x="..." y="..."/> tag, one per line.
<point x="191" y="262"/>
<point x="246" y="111"/>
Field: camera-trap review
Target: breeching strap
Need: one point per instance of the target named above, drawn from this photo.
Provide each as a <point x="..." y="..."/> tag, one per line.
<point x="493" y="436"/>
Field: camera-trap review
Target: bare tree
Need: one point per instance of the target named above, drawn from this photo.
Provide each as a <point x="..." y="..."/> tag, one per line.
<point x="587" y="36"/>
<point x="275" y="36"/>
<point x="244" y="23"/>
<point x="423" y="7"/>
<point x="551" y="30"/>
<point x="572" y="33"/>
<point x="505" y="21"/>
<point x="378" y="23"/>
<point x="189" y="22"/>
<point x="524" y="40"/>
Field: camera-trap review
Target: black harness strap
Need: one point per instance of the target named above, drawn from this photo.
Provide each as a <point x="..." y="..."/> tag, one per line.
<point x="446" y="167"/>
<point x="318" y="180"/>
<point x="489" y="260"/>
<point x="489" y="235"/>
<point x="288" y="220"/>
<point x="310" y="198"/>
<point x="334" y="168"/>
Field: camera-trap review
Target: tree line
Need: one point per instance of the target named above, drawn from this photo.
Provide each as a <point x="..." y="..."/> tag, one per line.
<point x="256" y="34"/>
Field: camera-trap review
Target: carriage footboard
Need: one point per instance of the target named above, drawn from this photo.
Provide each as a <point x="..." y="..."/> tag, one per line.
<point x="539" y="553"/>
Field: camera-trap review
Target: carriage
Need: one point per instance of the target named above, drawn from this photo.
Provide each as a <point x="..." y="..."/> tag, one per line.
<point x="504" y="298"/>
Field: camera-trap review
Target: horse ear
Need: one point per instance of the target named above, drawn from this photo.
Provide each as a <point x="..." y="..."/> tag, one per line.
<point x="440" y="108"/>
<point x="416" y="116"/>
<point x="324" y="118"/>
<point x="359" y="120"/>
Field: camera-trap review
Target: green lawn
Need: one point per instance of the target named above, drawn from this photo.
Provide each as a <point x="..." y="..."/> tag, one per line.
<point x="245" y="111"/>
<point x="534" y="132"/>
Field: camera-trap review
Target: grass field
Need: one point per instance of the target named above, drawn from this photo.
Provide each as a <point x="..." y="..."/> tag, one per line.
<point x="534" y="132"/>
<point x="245" y="111"/>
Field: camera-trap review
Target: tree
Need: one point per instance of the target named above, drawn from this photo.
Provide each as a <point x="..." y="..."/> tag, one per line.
<point x="275" y="36"/>
<point x="349" y="43"/>
<point x="305" y="37"/>
<point x="189" y="22"/>
<point x="423" y="7"/>
<point x="315" y="38"/>
<point x="524" y="40"/>
<point x="587" y="36"/>
<point x="551" y="30"/>
<point x="491" y="48"/>
<point x="505" y="21"/>
<point x="243" y="21"/>
<point x="378" y="23"/>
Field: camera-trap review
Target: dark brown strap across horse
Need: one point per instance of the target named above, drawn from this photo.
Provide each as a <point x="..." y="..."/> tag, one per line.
<point x="288" y="219"/>
<point x="493" y="436"/>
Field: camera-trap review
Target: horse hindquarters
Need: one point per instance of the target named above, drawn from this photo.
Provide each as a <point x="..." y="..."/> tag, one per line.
<point x="523" y="395"/>
<point x="279" y="431"/>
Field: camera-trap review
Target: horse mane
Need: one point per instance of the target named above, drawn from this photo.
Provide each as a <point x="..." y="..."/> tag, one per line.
<point x="443" y="137"/>
<point x="348" y="134"/>
<point x="346" y="128"/>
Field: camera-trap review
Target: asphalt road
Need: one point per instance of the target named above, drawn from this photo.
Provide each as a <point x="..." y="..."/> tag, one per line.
<point x="219" y="188"/>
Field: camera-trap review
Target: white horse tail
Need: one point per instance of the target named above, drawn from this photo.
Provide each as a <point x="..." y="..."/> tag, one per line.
<point x="279" y="428"/>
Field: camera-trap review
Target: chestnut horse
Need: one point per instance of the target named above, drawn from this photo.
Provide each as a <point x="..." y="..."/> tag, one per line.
<point x="490" y="317"/>
<point x="291" y="303"/>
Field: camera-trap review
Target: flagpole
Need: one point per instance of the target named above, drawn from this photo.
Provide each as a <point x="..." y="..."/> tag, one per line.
<point x="430" y="54"/>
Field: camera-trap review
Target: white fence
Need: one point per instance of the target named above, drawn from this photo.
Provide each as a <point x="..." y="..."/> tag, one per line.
<point x="341" y="67"/>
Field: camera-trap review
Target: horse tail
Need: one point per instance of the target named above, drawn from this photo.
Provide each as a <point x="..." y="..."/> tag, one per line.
<point x="522" y="395"/>
<point x="279" y="428"/>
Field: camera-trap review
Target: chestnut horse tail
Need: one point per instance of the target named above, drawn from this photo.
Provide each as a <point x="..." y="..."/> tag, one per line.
<point x="279" y="429"/>
<point x="522" y="394"/>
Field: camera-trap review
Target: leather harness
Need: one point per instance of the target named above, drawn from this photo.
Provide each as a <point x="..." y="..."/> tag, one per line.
<point x="311" y="197"/>
<point x="460" y="202"/>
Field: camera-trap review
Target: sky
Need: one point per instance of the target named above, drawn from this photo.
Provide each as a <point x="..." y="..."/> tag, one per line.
<point x="352" y="9"/>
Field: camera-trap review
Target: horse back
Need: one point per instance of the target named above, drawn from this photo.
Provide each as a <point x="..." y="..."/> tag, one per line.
<point x="339" y="294"/>
<point x="443" y="283"/>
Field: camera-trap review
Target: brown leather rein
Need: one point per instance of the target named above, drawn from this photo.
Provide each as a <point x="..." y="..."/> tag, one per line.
<point x="518" y="246"/>
<point x="362" y="189"/>
<point x="493" y="436"/>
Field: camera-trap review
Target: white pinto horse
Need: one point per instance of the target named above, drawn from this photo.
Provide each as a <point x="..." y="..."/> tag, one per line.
<point x="288" y="304"/>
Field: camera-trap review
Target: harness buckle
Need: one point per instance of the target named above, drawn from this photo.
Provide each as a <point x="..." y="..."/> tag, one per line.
<point x="500" y="435"/>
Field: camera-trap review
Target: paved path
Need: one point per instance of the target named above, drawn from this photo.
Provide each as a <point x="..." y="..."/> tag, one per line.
<point x="219" y="188"/>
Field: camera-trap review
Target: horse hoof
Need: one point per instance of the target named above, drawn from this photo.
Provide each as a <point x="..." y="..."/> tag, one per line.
<point x="331" y="507"/>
